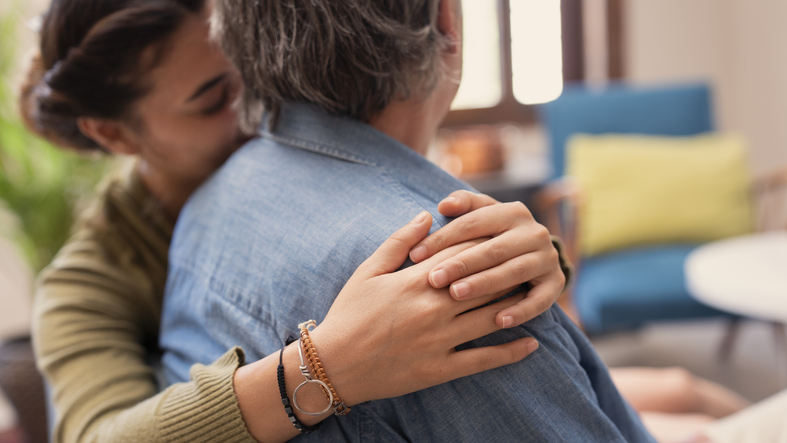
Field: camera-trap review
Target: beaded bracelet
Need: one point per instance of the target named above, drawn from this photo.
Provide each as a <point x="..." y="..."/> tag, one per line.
<point x="339" y="408"/>
<point x="302" y="428"/>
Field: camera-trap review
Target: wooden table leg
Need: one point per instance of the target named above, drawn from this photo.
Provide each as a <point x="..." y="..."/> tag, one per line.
<point x="780" y="339"/>
<point x="725" y="349"/>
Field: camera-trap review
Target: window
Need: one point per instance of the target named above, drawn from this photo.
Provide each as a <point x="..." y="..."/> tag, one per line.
<point x="536" y="50"/>
<point x="481" y="85"/>
<point x="516" y="53"/>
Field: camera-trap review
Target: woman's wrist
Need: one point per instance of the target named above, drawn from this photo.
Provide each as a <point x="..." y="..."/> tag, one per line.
<point x="337" y="360"/>
<point x="259" y="400"/>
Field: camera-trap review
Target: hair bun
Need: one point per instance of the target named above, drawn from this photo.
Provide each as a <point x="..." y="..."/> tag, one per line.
<point x="48" y="114"/>
<point x="91" y="63"/>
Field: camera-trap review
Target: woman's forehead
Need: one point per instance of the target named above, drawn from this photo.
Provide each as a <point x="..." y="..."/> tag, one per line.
<point x="191" y="59"/>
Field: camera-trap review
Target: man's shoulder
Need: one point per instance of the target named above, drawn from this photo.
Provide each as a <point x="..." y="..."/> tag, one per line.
<point x="279" y="230"/>
<point x="313" y="201"/>
<point x="320" y="173"/>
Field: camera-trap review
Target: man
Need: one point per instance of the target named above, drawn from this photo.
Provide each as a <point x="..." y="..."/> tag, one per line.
<point x="355" y="91"/>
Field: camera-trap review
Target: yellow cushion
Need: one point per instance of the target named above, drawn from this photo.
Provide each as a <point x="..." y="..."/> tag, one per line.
<point x="640" y="190"/>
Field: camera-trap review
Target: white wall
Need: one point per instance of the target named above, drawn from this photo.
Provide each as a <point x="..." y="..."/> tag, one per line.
<point x="739" y="46"/>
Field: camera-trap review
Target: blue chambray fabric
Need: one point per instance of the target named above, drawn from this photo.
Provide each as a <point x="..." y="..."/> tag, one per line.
<point x="272" y="238"/>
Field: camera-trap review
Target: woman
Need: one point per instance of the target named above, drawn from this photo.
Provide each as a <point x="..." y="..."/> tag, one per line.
<point x="141" y="78"/>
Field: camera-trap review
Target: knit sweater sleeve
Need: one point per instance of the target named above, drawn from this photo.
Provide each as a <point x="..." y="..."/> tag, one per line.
<point x="96" y="319"/>
<point x="88" y="335"/>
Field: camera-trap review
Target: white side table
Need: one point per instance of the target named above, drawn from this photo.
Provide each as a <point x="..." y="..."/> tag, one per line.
<point x="745" y="275"/>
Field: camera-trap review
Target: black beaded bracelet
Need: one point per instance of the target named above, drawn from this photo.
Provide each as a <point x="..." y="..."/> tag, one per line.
<point x="302" y="428"/>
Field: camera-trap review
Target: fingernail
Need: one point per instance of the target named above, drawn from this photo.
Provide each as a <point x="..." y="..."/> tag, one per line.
<point x="420" y="218"/>
<point x="461" y="290"/>
<point x="450" y="200"/>
<point x="532" y="345"/>
<point x="418" y="254"/>
<point x="507" y="322"/>
<point x="439" y="278"/>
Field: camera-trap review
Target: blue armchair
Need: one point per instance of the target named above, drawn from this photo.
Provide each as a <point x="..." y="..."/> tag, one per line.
<point x="628" y="288"/>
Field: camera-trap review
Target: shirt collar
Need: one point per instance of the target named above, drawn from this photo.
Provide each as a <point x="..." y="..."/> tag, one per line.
<point x="309" y="127"/>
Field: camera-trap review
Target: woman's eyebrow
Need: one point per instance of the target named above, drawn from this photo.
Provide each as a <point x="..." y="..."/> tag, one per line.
<point x="206" y="87"/>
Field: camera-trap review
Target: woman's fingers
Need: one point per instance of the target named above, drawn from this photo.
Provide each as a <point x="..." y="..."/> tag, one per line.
<point x="539" y="298"/>
<point x="488" y="221"/>
<point x="478" y="322"/>
<point x="503" y="261"/>
<point x="514" y="272"/>
<point x="393" y="252"/>
<point x="473" y="361"/>
<point x="426" y="266"/>
<point x="463" y="306"/>
<point x="462" y="202"/>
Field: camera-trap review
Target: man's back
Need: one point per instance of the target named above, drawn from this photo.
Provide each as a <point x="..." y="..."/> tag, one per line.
<point x="272" y="238"/>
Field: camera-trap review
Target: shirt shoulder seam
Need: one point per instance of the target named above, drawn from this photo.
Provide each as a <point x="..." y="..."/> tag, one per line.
<point x="325" y="148"/>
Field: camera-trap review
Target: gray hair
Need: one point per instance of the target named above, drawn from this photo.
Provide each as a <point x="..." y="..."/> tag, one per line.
<point x="350" y="57"/>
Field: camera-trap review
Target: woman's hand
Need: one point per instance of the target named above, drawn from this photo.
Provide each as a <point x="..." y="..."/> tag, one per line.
<point x="519" y="251"/>
<point x="388" y="333"/>
<point x="391" y="333"/>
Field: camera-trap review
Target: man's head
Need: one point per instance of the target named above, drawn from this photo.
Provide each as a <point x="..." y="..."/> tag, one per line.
<point x="350" y="57"/>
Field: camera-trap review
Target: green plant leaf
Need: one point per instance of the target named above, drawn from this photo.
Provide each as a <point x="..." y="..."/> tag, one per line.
<point x="40" y="184"/>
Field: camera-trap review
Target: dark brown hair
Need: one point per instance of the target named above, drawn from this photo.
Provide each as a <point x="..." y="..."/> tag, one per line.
<point x="350" y="57"/>
<point x="93" y="58"/>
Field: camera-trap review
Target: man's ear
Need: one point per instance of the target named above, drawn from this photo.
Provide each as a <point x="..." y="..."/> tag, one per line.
<point x="109" y="134"/>
<point x="449" y="21"/>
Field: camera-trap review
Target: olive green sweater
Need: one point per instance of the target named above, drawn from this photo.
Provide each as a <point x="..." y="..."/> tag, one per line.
<point x="96" y="321"/>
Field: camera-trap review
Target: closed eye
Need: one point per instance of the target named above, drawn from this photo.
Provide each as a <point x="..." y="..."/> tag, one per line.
<point x="207" y="86"/>
<point x="220" y="104"/>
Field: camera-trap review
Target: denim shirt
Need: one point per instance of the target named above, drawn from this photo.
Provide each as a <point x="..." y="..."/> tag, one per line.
<point x="270" y="240"/>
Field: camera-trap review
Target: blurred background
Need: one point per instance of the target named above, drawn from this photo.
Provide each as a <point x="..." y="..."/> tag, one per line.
<point x="648" y="134"/>
<point x="672" y="204"/>
<point x="41" y="190"/>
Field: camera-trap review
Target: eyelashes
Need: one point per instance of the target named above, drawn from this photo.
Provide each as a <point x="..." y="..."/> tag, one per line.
<point x="220" y="104"/>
